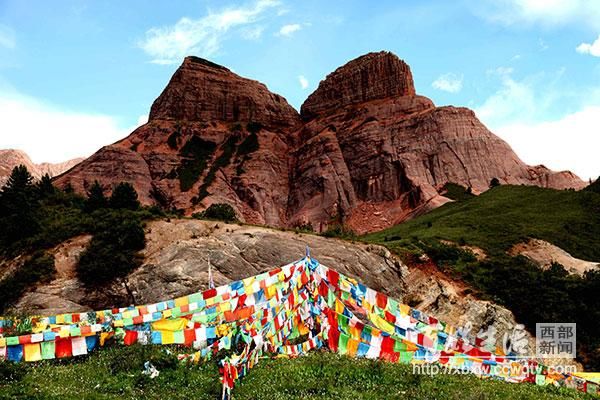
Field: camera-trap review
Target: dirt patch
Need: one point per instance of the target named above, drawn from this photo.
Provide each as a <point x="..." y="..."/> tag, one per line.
<point x="544" y="254"/>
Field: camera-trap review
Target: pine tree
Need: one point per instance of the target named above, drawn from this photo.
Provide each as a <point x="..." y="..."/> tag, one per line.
<point x="18" y="207"/>
<point x="44" y="187"/>
<point x="96" y="198"/>
<point x="124" y="196"/>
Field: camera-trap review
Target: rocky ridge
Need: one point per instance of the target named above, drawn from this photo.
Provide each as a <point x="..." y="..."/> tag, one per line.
<point x="10" y="158"/>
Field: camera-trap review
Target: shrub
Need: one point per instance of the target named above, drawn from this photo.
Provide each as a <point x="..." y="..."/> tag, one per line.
<point x="12" y="372"/>
<point x="254" y="127"/>
<point x="112" y="253"/>
<point x="218" y="211"/>
<point x="124" y="196"/>
<point x="96" y="198"/>
<point x="304" y="227"/>
<point x="38" y="269"/>
<point x="249" y="145"/>
<point x="494" y="182"/>
<point x="340" y="231"/>
<point x="196" y="153"/>
<point x="221" y="162"/>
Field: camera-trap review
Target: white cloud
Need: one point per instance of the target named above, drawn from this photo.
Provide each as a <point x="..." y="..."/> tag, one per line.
<point x="590" y="48"/>
<point x="303" y="81"/>
<point x="545" y="12"/>
<point x="7" y="37"/>
<point x="202" y="37"/>
<point x="448" y="83"/>
<point x="49" y="133"/>
<point x="568" y="143"/>
<point x="288" y="30"/>
<point x="520" y="112"/>
<point x="252" y="33"/>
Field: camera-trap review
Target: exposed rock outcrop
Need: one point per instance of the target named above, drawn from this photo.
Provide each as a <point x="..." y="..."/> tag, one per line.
<point x="176" y="264"/>
<point x="543" y="254"/>
<point x="366" y="151"/>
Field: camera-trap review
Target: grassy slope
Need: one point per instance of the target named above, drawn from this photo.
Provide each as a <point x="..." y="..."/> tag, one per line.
<point x="115" y="373"/>
<point x="507" y="215"/>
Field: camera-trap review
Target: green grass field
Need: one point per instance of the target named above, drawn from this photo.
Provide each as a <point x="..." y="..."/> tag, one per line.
<point x="115" y="373"/>
<point x="506" y="215"/>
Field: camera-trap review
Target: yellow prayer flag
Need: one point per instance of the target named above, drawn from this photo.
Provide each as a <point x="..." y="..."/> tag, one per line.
<point x="181" y="301"/>
<point x="381" y="323"/>
<point x="32" y="352"/>
<point x="404" y="309"/>
<point x="168" y="337"/>
<point x="171" y="325"/>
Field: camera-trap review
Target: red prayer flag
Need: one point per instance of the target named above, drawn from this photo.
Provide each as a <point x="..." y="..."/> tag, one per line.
<point x="63" y="347"/>
<point x="130" y="338"/>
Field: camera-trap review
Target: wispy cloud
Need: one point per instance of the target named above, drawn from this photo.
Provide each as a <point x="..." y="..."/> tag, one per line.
<point x="252" y="32"/>
<point x="203" y="36"/>
<point x="545" y="12"/>
<point x="7" y="37"/>
<point x="451" y="83"/>
<point x="288" y="30"/>
<point x="51" y="133"/>
<point x="521" y="112"/>
<point x="590" y="48"/>
<point x="303" y="82"/>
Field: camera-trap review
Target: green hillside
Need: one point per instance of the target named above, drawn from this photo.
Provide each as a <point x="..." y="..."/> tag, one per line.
<point x="116" y="373"/>
<point x="496" y="220"/>
<point x="506" y="215"/>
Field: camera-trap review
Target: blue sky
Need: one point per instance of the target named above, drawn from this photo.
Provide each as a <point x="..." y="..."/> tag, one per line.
<point x="76" y="75"/>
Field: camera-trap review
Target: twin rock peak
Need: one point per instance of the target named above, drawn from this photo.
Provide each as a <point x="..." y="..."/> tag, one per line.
<point x="365" y="150"/>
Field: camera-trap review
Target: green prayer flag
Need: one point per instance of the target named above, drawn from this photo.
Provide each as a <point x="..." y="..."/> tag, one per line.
<point x="406" y="356"/>
<point x="178" y="337"/>
<point x="399" y="347"/>
<point x="48" y="350"/>
<point x="12" y="340"/>
<point x="343" y="343"/>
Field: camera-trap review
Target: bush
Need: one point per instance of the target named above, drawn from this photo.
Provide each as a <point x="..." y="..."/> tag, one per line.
<point x="112" y="253"/>
<point x="218" y="211"/>
<point x="254" y="127"/>
<point x="38" y="269"/>
<point x="96" y="198"/>
<point x="221" y="162"/>
<point x="340" y="231"/>
<point x="124" y="196"/>
<point x="12" y="372"/>
<point x="249" y="145"/>
<point x="196" y="153"/>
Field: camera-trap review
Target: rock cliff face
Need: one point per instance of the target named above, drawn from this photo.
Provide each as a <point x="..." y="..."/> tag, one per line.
<point x="11" y="158"/>
<point x="365" y="151"/>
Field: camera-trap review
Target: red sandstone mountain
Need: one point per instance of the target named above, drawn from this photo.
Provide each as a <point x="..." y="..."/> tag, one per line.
<point x="11" y="158"/>
<point x="365" y="149"/>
